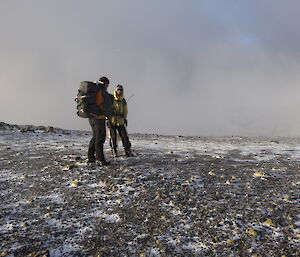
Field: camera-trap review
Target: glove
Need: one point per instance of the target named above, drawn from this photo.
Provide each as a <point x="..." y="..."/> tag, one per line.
<point x="126" y="123"/>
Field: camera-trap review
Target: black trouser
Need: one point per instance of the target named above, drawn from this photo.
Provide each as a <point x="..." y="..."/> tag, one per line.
<point x="97" y="141"/>
<point x="123" y="133"/>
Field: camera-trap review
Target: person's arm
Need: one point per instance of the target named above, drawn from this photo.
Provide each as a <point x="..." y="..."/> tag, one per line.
<point x="125" y="110"/>
<point x="99" y="98"/>
<point x="125" y="113"/>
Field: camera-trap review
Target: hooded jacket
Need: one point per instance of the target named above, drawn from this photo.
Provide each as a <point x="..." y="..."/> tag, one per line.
<point x="120" y="110"/>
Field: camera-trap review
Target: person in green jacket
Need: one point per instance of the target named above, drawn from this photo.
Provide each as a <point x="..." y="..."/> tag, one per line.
<point x="118" y="121"/>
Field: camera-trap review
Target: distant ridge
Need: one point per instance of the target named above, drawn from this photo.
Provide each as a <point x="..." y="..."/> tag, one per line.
<point x="31" y="128"/>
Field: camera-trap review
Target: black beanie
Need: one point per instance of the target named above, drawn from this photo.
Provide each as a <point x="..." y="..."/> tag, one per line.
<point x="119" y="87"/>
<point x="104" y="80"/>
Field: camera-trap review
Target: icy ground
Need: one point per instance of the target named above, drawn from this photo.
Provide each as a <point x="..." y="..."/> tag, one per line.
<point x="178" y="196"/>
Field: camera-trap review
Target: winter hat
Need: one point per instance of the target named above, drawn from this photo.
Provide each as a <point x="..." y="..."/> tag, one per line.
<point x="104" y="80"/>
<point x="119" y="87"/>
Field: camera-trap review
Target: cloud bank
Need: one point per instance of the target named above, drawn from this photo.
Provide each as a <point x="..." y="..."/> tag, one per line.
<point x="194" y="67"/>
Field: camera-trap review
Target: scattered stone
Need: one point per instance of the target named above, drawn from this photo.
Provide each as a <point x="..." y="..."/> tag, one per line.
<point x="50" y="130"/>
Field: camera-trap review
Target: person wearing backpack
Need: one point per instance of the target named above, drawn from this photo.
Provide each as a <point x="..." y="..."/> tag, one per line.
<point x="98" y="125"/>
<point x="118" y="121"/>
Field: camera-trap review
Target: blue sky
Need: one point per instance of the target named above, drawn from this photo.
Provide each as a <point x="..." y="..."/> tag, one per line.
<point x="194" y="67"/>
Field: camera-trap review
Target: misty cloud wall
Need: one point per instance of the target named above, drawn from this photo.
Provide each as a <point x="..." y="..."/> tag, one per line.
<point x="194" y="67"/>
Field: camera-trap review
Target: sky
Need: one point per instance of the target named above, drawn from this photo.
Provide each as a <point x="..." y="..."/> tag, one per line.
<point x="193" y="67"/>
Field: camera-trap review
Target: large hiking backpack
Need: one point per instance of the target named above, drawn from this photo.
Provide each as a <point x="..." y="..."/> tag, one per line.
<point x="86" y="100"/>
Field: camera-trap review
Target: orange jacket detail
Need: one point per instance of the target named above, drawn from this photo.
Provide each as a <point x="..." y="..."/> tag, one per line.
<point x="99" y="101"/>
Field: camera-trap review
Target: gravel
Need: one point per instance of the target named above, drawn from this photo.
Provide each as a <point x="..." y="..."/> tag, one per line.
<point x="178" y="196"/>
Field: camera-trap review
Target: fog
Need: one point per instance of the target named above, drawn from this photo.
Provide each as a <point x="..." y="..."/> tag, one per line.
<point x="193" y="67"/>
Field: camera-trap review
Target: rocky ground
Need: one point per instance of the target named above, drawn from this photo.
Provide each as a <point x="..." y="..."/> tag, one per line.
<point x="178" y="196"/>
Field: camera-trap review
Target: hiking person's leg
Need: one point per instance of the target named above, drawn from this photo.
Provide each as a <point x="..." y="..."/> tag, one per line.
<point x="91" y="148"/>
<point x="100" y="134"/>
<point x="113" y="134"/>
<point x="125" y="140"/>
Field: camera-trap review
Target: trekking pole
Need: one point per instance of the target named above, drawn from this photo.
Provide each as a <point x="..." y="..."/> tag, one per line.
<point x="110" y="139"/>
<point x="130" y="98"/>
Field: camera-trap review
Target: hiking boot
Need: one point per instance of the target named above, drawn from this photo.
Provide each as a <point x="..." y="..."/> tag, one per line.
<point x="129" y="153"/>
<point x="103" y="163"/>
<point x="90" y="162"/>
<point x="115" y="153"/>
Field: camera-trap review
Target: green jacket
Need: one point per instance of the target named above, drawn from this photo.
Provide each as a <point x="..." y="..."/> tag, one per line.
<point x="120" y="110"/>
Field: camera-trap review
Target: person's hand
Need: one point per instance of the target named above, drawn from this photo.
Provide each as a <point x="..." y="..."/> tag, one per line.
<point x="126" y="122"/>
